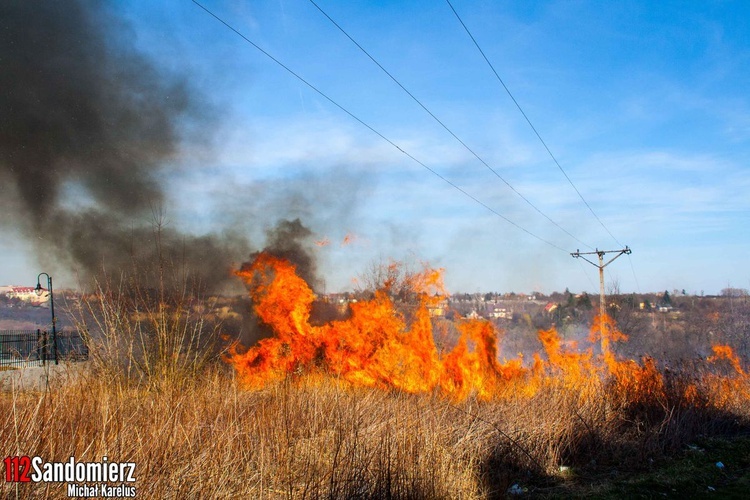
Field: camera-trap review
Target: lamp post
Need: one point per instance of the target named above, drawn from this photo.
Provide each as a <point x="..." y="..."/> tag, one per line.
<point x="39" y="290"/>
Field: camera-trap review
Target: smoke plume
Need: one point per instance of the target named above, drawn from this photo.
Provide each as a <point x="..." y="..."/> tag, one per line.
<point x="292" y="241"/>
<point x="89" y="125"/>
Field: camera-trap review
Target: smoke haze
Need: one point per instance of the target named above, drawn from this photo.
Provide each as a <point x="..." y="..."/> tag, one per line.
<point x="292" y="241"/>
<point x="89" y="125"/>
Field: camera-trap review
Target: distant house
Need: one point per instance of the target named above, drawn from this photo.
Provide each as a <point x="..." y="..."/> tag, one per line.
<point x="27" y="294"/>
<point x="438" y="310"/>
<point x="501" y="313"/>
<point x="473" y="314"/>
<point x="550" y="307"/>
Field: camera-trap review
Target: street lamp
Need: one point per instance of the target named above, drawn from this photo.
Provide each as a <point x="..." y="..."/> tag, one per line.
<point x="39" y="290"/>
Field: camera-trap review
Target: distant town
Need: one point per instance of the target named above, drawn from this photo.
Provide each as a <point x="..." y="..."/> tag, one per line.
<point x="657" y="324"/>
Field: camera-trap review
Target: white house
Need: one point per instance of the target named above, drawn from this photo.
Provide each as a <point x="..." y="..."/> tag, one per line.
<point x="27" y="294"/>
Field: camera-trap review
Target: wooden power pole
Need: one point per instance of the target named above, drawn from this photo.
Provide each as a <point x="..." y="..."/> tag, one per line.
<point x="601" y="265"/>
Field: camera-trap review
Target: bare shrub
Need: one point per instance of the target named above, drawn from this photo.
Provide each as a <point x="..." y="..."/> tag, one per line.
<point x="149" y="325"/>
<point x="147" y="336"/>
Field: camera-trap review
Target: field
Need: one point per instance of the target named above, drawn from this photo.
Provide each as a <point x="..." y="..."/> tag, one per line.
<point x="311" y="437"/>
<point x="369" y="407"/>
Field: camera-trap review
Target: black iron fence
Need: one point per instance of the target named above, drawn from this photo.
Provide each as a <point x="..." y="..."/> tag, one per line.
<point x="38" y="347"/>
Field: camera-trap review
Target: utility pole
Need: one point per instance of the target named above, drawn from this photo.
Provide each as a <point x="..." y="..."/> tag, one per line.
<point x="601" y="265"/>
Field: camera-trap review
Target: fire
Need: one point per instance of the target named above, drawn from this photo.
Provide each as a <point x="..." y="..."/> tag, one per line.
<point x="325" y="241"/>
<point x="726" y="352"/>
<point x="381" y="346"/>
<point x="374" y="347"/>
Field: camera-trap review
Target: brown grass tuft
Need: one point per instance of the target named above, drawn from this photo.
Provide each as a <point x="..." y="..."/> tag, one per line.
<point x="314" y="437"/>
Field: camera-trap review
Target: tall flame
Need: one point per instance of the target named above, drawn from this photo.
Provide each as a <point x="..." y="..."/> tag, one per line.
<point x="377" y="347"/>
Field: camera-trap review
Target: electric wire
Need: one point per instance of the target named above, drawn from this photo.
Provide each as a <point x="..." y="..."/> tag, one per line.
<point x="373" y="130"/>
<point x="538" y="135"/>
<point x="638" y="285"/>
<point x="583" y="270"/>
<point x="442" y="124"/>
<point x="507" y="90"/>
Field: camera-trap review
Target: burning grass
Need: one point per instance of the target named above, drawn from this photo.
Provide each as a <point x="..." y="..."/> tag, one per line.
<point x="367" y="407"/>
<point x="377" y="347"/>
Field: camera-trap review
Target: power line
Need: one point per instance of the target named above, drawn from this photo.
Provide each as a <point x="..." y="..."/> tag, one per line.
<point x="529" y="122"/>
<point x="439" y="121"/>
<point x="339" y="106"/>
<point x="638" y="285"/>
<point x="586" y="274"/>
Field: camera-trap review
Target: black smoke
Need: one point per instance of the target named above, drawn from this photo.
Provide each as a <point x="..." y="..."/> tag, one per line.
<point x="292" y="241"/>
<point x="89" y="126"/>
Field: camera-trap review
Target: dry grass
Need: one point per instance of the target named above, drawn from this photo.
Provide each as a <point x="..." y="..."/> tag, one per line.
<point x="155" y="395"/>
<point x="211" y="439"/>
<point x="315" y="437"/>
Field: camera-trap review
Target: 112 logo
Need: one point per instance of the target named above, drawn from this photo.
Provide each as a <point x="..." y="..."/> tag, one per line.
<point x="17" y="469"/>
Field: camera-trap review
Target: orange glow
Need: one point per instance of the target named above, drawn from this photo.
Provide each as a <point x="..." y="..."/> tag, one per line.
<point x="726" y="352"/>
<point x="323" y="243"/>
<point x="348" y="239"/>
<point x="380" y="345"/>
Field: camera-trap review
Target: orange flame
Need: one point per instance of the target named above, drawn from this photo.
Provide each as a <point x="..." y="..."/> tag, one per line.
<point x="726" y="352"/>
<point x="374" y="347"/>
<point x="380" y="345"/>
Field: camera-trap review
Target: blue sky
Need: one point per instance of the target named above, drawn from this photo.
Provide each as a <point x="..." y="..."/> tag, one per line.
<point x="644" y="104"/>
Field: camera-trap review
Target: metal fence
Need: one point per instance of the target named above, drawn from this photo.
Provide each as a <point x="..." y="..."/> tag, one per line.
<point x="38" y="347"/>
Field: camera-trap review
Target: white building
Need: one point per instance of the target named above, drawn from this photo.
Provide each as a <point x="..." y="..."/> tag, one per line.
<point x="26" y="293"/>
